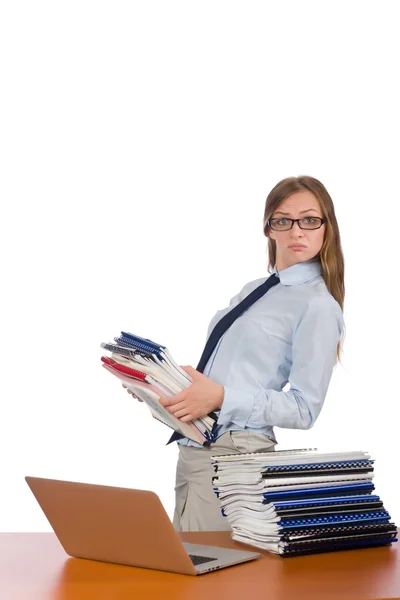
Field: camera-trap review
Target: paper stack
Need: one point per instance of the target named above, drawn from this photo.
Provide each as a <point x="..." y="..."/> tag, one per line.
<point x="148" y="370"/>
<point x="294" y="502"/>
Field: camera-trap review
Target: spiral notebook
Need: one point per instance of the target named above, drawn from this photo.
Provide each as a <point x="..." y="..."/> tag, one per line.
<point x="149" y="371"/>
<point x="339" y="540"/>
<point x="302" y="502"/>
<point x="318" y="492"/>
<point x="303" y="508"/>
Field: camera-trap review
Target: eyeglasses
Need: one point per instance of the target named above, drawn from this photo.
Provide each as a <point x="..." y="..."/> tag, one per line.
<point x="284" y="224"/>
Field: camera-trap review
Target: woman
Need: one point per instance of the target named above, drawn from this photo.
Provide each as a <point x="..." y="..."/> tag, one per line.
<point x="290" y="335"/>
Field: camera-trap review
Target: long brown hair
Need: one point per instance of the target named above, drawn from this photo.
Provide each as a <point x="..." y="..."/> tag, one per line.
<point x="331" y="254"/>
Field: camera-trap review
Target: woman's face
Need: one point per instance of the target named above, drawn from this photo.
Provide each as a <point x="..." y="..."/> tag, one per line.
<point x="297" y="245"/>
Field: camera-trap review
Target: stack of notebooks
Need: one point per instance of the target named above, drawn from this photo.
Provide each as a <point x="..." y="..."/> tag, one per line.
<point x="294" y="502"/>
<point x="149" y="371"/>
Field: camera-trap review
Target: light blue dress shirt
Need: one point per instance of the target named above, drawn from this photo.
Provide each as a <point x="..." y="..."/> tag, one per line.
<point x="289" y="336"/>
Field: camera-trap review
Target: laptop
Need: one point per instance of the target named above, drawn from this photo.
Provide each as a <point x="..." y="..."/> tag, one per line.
<point x="124" y="526"/>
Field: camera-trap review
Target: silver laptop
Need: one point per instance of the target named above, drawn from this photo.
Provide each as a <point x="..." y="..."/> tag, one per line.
<point x="124" y="526"/>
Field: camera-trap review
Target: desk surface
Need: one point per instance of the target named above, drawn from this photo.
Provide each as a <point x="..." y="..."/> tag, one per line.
<point x="33" y="566"/>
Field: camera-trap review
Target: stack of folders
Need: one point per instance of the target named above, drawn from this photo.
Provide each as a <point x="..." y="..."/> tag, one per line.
<point x="148" y="370"/>
<point x="294" y="502"/>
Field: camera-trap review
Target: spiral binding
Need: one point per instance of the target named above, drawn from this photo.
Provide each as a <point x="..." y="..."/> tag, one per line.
<point x="356" y="541"/>
<point x="139" y="345"/>
<point x="353" y="489"/>
<point x="338" y="545"/>
<point x="320" y="466"/>
<point x="340" y="518"/>
<point x="140" y="340"/>
<point x="128" y="344"/>
<point x="345" y="529"/>
<point x="119" y="350"/>
<point x="325" y="502"/>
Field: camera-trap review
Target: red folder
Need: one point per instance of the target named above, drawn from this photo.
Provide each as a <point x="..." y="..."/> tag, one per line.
<point x="123" y="369"/>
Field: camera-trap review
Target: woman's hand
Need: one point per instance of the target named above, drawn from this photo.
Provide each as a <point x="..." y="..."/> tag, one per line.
<point x="202" y="397"/>
<point x="131" y="393"/>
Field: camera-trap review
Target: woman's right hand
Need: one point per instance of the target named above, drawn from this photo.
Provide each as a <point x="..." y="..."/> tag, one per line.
<point x="131" y="393"/>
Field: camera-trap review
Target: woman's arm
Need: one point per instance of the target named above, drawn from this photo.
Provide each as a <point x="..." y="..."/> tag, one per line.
<point x="314" y="347"/>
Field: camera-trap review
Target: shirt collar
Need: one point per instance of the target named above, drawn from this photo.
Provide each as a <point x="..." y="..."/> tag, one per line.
<point x="300" y="272"/>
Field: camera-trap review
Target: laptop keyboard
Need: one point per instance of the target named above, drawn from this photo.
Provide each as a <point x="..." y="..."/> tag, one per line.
<point x="199" y="560"/>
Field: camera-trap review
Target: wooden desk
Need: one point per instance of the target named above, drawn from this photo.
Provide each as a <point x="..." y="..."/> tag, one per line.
<point x="33" y="566"/>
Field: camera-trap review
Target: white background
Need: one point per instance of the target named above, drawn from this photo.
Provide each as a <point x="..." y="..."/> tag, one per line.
<point x="139" y="141"/>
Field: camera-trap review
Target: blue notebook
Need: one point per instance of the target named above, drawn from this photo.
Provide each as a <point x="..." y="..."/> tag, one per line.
<point x="333" y="546"/>
<point x="340" y="490"/>
<point x="378" y="515"/>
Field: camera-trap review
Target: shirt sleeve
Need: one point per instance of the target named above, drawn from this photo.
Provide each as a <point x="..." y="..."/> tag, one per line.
<point x="314" y="347"/>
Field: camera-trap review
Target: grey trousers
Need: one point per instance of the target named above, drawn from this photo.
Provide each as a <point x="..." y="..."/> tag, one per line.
<point x="197" y="508"/>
